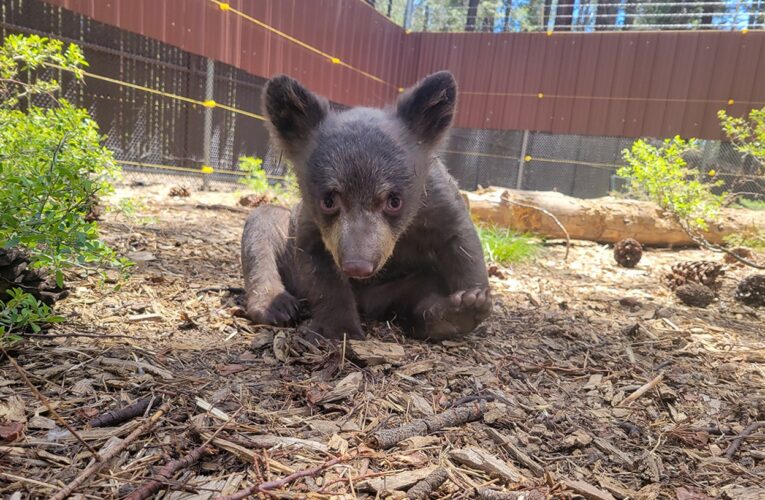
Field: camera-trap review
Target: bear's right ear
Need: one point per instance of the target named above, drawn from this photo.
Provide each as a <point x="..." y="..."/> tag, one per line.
<point x="292" y="112"/>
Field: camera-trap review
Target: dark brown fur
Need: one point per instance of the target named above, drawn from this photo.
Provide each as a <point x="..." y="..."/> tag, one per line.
<point x="420" y="263"/>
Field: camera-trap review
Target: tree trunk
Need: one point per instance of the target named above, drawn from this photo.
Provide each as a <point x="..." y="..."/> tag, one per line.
<point x="605" y="16"/>
<point x="472" y="14"/>
<point x="564" y="19"/>
<point x="604" y="220"/>
<point x="390" y="7"/>
<point x="708" y="11"/>
<point x="506" y="20"/>
<point x="547" y="13"/>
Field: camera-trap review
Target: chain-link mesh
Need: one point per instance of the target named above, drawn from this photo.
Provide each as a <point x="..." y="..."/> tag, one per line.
<point x="580" y="166"/>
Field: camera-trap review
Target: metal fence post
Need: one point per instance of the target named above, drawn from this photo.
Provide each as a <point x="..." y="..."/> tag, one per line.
<point x="522" y="160"/>
<point x="207" y="140"/>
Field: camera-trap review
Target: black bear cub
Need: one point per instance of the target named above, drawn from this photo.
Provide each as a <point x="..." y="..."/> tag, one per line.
<point x="381" y="232"/>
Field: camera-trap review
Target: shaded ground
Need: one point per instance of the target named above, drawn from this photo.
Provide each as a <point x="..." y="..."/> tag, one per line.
<point x="556" y="361"/>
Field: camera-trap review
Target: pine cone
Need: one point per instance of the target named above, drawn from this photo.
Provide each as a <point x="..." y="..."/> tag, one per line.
<point x="628" y="252"/>
<point x="702" y="272"/>
<point x="180" y="191"/>
<point x="15" y="273"/>
<point x="695" y="295"/>
<point x="751" y="290"/>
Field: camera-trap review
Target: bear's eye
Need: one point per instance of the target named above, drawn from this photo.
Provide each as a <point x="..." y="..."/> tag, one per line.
<point x="393" y="203"/>
<point x="329" y="204"/>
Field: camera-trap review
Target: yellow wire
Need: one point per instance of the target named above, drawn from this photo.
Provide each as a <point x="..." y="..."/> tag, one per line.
<point x="226" y="7"/>
<point x="189" y="169"/>
<point x="608" y="98"/>
<point x="196" y="102"/>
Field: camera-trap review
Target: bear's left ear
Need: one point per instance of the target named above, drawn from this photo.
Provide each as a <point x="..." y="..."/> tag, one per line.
<point x="292" y="112"/>
<point x="428" y="108"/>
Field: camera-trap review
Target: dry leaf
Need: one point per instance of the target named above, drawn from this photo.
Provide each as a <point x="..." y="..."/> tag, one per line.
<point x="11" y="432"/>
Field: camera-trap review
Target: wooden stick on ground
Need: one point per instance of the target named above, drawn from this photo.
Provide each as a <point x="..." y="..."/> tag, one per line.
<point x="387" y="438"/>
<point x="166" y="473"/>
<point x="50" y="408"/>
<point x="116" y="417"/>
<point x="642" y="390"/>
<point x="272" y="485"/>
<point x="425" y="487"/>
<point x="94" y="468"/>
<point x="736" y="443"/>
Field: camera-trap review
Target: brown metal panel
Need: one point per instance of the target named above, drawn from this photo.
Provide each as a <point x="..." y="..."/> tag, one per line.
<point x="131" y="15"/>
<point x="568" y="68"/>
<point x="533" y="75"/>
<point x="680" y="83"/>
<point x="474" y="70"/>
<point x="501" y="61"/>
<point x="107" y="11"/>
<point x="726" y="62"/>
<point x="154" y="20"/>
<point x="596" y="116"/>
<point x="704" y="69"/>
<point x="514" y="76"/>
<point x="623" y="73"/>
<point x="551" y="74"/>
<point x="585" y="82"/>
<point x="745" y="81"/>
<point x="661" y="73"/>
<point x="640" y="85"/>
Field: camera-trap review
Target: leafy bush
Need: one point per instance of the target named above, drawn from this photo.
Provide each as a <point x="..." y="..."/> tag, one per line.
<point x="52" y="164"/>
<point x="746" y="135"/>
<point x="52" y="168"/>
<point x="662" y="174"/>
<point x="505" y="246"/>
<point x="257" y="179"/>
<point x="20" y="313"/>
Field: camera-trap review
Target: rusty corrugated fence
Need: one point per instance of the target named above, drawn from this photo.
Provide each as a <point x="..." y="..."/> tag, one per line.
<point x="629" y="84"/>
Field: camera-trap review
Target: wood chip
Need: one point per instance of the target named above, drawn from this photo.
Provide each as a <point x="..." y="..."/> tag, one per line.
<point x="397" y="481"/>
<point x="514" y="451"/>
<point x="480" y="459"/>
<point x="587" y="490"/>
<point x="372" y="352"/>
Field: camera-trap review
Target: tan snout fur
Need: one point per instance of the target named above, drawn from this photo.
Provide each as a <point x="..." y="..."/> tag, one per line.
<point x="362" y="235"/>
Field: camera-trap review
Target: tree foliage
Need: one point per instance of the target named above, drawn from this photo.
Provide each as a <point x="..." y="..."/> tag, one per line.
<point x="52" y="168"/>
<point x="52" y="164"/>
<point x="663" y="175"/>
<point x="746" y="134"/>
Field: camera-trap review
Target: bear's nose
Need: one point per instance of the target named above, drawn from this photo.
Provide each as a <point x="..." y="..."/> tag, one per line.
<point x="358" y="268"/>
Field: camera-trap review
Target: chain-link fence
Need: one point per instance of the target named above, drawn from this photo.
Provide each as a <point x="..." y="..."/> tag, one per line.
<point x="580" y="166"/>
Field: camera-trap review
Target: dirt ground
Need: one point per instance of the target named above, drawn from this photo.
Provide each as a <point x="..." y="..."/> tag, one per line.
<point x="554" y="378"/>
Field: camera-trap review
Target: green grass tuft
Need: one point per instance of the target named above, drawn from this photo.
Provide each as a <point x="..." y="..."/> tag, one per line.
<point x="505" y="246"/>
<point x="751" y="204"/>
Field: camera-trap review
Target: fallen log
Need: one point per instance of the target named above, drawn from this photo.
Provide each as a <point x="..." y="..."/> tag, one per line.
<point x="603" y="220"/>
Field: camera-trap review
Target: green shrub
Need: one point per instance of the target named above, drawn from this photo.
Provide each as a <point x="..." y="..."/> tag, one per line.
<point x="663" y="176"/>
<point x="52" y="168"/>
<point x="22" y="312"/>
<point x="505" y="246"/>
<point x="257" y="180"/>
<point x="746" y="135"/>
